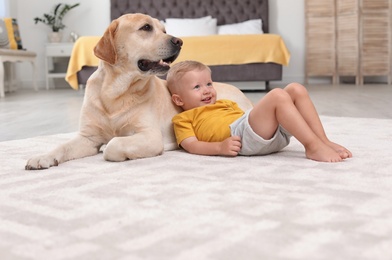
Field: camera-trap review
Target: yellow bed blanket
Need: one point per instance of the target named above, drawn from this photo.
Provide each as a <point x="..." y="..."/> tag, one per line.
<point x="210" y="50"/>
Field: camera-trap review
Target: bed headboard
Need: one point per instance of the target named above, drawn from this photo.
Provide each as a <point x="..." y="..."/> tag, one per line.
<point x="226" y="11"/>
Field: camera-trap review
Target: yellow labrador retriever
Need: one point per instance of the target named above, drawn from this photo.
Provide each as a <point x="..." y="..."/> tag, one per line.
<point x="126" y="106"/>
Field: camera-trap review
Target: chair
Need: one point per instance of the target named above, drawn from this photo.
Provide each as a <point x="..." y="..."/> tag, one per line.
<point x="9" y="55"/>
<point x="11" y="50"/>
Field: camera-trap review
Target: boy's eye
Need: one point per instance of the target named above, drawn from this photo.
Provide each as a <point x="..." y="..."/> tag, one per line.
<point x="209" y="84"/>
<point x="196" y="87"/>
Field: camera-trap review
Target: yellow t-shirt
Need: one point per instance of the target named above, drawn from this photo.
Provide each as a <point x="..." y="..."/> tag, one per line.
<point x="207" y="123"/>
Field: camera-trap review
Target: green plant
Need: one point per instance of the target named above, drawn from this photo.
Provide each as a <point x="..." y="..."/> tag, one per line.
<point x="55" y="18"/>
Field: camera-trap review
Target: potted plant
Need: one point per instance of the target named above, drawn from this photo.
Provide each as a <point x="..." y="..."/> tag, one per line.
<point x="55" y="20"/>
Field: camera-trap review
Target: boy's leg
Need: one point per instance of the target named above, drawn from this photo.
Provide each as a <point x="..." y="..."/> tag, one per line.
<point x="276" y="108"/>
<point x="306" y="108"/>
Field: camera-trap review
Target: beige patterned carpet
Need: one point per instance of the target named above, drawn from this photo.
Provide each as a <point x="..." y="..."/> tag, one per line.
<point x="181" y="206"/>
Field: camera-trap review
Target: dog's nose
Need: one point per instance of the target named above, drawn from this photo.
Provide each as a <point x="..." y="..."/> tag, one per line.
<point x="176" y="41"/>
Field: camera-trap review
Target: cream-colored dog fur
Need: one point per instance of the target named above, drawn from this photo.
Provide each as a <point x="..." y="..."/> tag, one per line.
<point x="126" y="106"/>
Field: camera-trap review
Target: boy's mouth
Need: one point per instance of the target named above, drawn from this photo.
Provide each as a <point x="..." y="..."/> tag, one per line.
<point x="207" y="99"/>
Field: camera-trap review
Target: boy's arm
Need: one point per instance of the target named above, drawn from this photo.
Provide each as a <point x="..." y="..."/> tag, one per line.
<point x="229" y="147"/>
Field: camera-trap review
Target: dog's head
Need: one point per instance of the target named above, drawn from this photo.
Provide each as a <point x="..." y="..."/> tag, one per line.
<point x="138" y="42"/>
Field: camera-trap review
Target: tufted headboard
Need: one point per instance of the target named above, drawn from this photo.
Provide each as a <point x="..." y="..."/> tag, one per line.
<point x="226" y="11"/>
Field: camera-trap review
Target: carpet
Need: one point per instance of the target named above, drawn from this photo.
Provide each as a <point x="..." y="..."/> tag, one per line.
<point x="182" y="206"/>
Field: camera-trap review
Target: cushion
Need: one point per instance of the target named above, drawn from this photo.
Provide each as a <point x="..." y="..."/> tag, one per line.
<point x="10" y="31"/>
<point x="191" y="27"/>
<point x="247" y="27"/>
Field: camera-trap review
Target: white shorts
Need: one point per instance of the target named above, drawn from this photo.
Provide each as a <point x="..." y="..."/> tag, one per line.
<point x="252" y="143"/>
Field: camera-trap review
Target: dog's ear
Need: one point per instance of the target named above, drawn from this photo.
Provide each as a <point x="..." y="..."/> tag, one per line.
<point x="105" y="48"/>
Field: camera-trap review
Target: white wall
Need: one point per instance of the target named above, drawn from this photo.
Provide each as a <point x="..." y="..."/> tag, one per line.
<point x="92" y="17"/>
<point x="287" y="18"/>
<point x="4" y="8"/>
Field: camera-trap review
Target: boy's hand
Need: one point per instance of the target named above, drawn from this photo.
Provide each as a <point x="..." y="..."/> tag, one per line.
<point x="230" y="146"/>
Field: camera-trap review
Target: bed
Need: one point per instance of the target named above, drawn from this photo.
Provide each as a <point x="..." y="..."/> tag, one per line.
<point x="267" y="68"/>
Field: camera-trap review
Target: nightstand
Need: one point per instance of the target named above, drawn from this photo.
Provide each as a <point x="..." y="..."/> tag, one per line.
<point x="56" y="61"/>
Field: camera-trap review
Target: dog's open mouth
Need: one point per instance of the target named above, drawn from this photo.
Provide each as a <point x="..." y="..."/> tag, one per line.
<point x="157" y="66"/>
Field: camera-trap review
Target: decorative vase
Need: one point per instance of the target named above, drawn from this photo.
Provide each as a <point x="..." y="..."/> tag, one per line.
<point x="55" y="36"/>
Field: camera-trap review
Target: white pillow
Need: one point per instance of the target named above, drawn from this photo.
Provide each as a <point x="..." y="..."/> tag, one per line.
<point x="247" y="27"/>
<point x="191" y="27"/>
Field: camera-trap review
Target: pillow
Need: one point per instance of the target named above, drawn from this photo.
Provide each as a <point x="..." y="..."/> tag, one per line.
<point x="247" y="27"/>
<point x="191" y="27"/>
<point x="10" y="31"/>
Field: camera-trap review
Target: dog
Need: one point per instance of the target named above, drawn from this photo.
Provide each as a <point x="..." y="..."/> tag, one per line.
<point x="126" y="106"/>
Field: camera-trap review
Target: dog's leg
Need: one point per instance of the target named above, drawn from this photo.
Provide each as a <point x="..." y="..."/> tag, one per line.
<point x="77" y="147"/>
<point x="140" y="145"/>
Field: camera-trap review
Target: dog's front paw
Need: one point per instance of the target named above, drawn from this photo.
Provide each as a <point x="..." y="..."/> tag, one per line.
<point x="40" y="163"/>
<point x="113" y="151"/>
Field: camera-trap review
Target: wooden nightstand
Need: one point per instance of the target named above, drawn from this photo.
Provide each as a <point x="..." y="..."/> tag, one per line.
<point x="57" y="58"/>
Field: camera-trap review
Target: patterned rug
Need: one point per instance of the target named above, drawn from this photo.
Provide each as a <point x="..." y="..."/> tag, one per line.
<point x="182" y="206"/>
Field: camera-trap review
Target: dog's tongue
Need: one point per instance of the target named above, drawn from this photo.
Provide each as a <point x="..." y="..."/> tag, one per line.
<point x="162" y="63"/>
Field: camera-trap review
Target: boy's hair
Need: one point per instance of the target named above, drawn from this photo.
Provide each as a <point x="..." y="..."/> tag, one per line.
<point x="179" y="69"/>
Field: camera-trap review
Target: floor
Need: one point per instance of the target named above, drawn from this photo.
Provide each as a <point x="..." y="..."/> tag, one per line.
<point x="26" y="113"/>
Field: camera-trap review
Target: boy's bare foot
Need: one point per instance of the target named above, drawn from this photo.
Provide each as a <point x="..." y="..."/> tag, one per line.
<point x="322" y="153"/>
<point x="342" y="151"/>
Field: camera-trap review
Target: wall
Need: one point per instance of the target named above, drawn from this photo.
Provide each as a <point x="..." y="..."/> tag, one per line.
<point x="4" y="8"/>
<point x="92" y="17"/>
<point x="287" y="18"/>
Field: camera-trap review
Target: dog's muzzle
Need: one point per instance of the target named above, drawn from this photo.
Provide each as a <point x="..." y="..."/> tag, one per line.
<point x="162" y="65"/>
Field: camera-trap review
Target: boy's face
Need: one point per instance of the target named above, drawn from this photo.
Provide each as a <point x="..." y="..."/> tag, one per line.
<point x="195" y="90"/>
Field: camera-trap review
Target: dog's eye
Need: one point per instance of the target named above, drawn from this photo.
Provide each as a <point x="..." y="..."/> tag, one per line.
<point x="146" y="28"/>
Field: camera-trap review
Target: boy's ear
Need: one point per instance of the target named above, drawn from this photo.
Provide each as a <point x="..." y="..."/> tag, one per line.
<point x="177" y="100"/>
